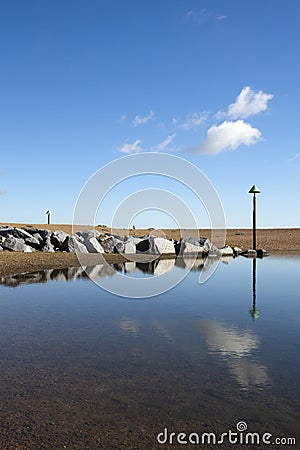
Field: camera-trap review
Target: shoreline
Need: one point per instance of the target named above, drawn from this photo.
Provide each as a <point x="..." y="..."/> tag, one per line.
<point x="274" y="240"/>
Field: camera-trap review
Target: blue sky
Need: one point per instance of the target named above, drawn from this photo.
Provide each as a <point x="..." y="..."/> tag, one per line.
<point x="85" y="82"/>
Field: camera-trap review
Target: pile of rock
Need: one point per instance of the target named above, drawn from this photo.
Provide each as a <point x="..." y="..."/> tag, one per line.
<point x="30" y="239"/>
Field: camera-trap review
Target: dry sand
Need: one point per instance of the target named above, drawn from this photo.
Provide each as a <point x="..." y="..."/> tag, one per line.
<point x="273" y="240"/>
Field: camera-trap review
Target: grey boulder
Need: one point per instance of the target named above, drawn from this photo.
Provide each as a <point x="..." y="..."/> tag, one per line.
<point x="249" y="253"/>
<point x="4" y="231"/>
<point x="188" y="244"/>
<point x="161" y="245"/>
<point x="72" y="245"/>
<point x="48" y="247"/>
<point x="226" y="251"/>
<point x="93" y="246"/>
<point x="16" y="245"/>
<point x="237" y="251"/>
<point x="191" y="249"/>
<point x="58" y="238"/>
<point x="107" y="242"/>
<point x="144" y="245"/>
<point x="119" y="245"/>
<point x="261" y="253"/>
<point x="129" y="246"/>
<point x="27" y="237"/>
<point x="87" y="234"/>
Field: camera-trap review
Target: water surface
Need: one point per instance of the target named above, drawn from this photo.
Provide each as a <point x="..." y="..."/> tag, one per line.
<point x="84" y="369"/>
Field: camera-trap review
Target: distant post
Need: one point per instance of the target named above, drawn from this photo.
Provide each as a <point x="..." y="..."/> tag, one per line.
<point x="254" y="190"/>
<point x="48" y="214"/>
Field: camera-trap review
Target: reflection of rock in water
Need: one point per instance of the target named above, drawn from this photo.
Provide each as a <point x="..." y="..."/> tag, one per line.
<point x="99" y="271"/>
<point x="146" y="267"/>
<point x="26" y="278"/>
<point x="236" y="348"/>
<point x="163" y="266"/>
<point x="129" y="267"/>
<point x="227" y="259"/>
<point x="67" y="274"/>
<point x="193" y="264"/>
<point x="156" y="267"/>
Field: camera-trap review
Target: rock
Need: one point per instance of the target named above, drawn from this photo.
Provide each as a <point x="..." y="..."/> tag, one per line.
<point x="143" y="245"/>
<point x="162" y="245"/>
<point x="125" y="246"/>
<point x="41" y="232"/>
<point x="136" y="240"/>
<point x="16" y="245"/>
<point x="4" y="231"/>
<point x="87" y="234"/>
<point x="31" y="230"/>
<point x="48" y="247"/>
<point x="200" y="242"/>
<point x="27" y="237"/>
<point x="71" y="244"/>
<point x="249" y="253"/>
<point x="204" y="245"/>
<point x="226" y="251"/>
<point x="129" y="247"/>
<point x="38" y="237"/>
<point x="155" y="245"/>
<point x="119" y="246"/>
<point x="237" y="251"/>
<point x="58" y="238"/>
<point x="189" y="248"/>
<point x="107" y="242"/>
<point x="93" y="245"/>
<point x="117" y="237"/>
<point x="261" y="253"/>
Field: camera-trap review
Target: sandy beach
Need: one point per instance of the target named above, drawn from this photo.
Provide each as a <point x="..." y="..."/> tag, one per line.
<point x="273" y="240"/>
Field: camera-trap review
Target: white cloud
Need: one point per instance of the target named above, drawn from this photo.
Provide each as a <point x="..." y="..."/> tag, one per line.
<point x="203" y="15"/>
<point x="194" y="121"/>
<point x="2" y="192"/>
<point x="295" y="157"/>
<point x="135" y="147"/>
<point x="122" y="119"/>
<point x="247" y="103"/>
<point x="142" y="120"/>
<point x="164" y="144"/>
<point x="228" y="136"/>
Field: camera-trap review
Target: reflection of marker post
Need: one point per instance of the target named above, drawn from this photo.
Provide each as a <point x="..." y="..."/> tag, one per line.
<point x="254" y="190"/>
<point x="48" y="214"/>
<point x="254" y="312"/>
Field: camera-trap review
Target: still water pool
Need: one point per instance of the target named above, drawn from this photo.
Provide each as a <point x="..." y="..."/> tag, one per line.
<point x="81" y="368"/>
